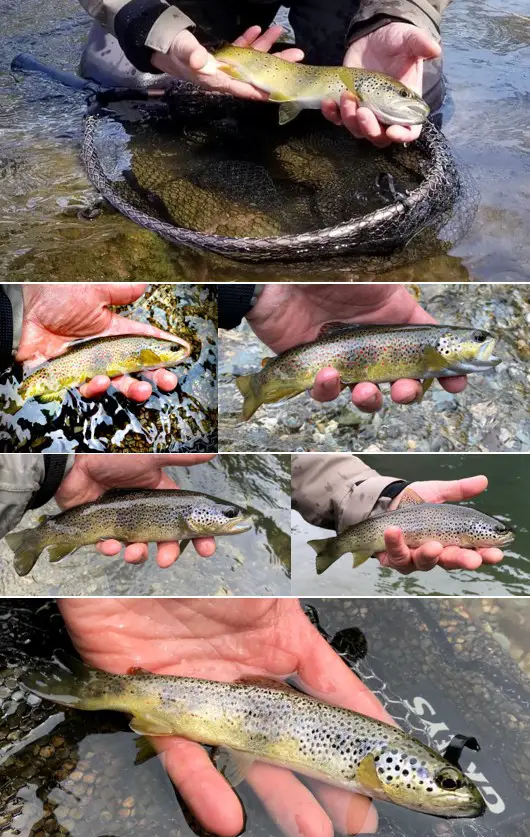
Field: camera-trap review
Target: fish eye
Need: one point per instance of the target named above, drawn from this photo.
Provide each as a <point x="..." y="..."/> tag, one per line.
<point x="449" y="779"/>
<point x="231" y="513"/>
<point x="404" y="94"/>
<point x="480" y="336"/>
<point x="500" y="527"/>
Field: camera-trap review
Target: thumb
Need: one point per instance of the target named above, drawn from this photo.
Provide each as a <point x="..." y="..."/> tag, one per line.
<point x="457" y="490"/>
<point x="419" y="44"/>
<point x="123" y="293"/>
<point x="187" y="49"/>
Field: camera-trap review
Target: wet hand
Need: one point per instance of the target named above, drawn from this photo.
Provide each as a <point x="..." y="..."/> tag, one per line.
<point x="432" y="554"/>
<point x="399" y="50"/>
<point x="227" y="640"/>
<point x="287" y="315"/>
<point x="56" y="315"/>
<point x="188" y="59"/>
<point x="95" y="473"/>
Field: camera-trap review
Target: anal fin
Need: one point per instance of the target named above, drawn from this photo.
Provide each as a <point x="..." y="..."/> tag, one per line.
<point x="58" y="551"/>
<point x="232" y="764"/>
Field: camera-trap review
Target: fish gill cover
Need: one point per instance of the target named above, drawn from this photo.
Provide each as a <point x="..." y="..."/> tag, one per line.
<point x="219" y="174"/>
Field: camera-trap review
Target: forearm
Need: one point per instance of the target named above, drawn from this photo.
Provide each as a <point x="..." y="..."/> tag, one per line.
<point x="142" y="27"/>
<point x="28" y="481"/>
<point x="335" y="491"/>
<point x="372" y="14"/>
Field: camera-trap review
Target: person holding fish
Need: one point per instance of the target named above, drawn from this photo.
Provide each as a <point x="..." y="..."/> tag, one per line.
<point x="29" y="481"/>
<point x="67" y="335"/>
<point x="408" y="527"/>
<point x="384" y="45"/>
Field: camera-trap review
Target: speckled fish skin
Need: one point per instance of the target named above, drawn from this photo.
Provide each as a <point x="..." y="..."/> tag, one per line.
<point x="376" y="353"/>
<point x="298" y="86"/>
<point x="130" y="516"/>
<point x="274" y="723"/>
<point x="443" y="522"/>
<point x="111" y="355"/>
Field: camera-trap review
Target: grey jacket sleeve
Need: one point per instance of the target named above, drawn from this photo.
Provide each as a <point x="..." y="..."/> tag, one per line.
<point x="14" y="294"/>
<point x="21" y="477"/>
<point x="337" y="490"/>
<point x="372" y="14"/>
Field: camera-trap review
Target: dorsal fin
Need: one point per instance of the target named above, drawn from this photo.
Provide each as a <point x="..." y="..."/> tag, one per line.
<point x="335" y="327"/>
<point x="410" y="498"/>
<point x="138" y="671"/>
<point x="262" y="680"/>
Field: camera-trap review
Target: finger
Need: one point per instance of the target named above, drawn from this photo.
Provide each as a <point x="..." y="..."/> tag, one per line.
<point x="398" y="553"/>
<point x="456" y="558"/>
<point x="248" y="37"/>
<point x="136" y="553"/>
<point x="186" y="49"/>
<point x="371" y="128"/>
<point x="290" y="804"/>
<point x="403" y="133"/>
<point x="291" y="54"/>
<point x="327" y="385"/>
<point x="419" y="44"/>
<point x="491" y="555"/>
<point x="123" y="293"/>
<point x="205" y="547"/>
<point x="348" y="111"/>
<point x="133" y="389"/>
<point x="426" y="556"/>
<point x="109" y="547"/>
<point x="367" y="397"/>
<point x="201" y="786"/>
<point x="268" y="38"/>
<point x="197" y="58"/>
<point x="454" y="384"/>
<point x="167" y="554"/>
<point x="331" y="111"/>
<point x="350" y="813"/>
<point x="96" y="387"/>
<point x="406" y="391"/>
<point x="164" y="380"/>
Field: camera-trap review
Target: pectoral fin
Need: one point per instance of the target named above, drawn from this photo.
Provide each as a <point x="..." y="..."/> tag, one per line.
<point x="147" y="725"/>
<point x="144" y="750"/>
<point x="287" y="112"/>
<point x="232" y="764"/>
<point x="46" y="397"/>
<point x="148" y="357"/>
<point x="426" y="383"/>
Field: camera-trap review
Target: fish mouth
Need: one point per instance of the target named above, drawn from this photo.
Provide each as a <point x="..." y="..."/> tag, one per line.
<point x="412" y="113"/>
<point x="237" y="527"/>
<point x="484" y="359"/>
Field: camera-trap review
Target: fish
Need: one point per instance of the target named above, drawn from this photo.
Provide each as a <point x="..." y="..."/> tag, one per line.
<point x="111" y="355"/>
<point x="131" y="516"/>
<point x="375" y="353"/>
<point x="303" y="86"/>
<point x="420" y="522"/>
<point x="263" y="719"/>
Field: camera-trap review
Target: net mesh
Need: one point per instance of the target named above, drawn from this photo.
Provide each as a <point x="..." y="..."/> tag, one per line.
<point x="219" y="174"/>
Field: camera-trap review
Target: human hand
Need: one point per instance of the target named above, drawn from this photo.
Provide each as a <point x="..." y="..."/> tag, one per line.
<point x="56" y="315"/>
<point x="95" y="473"/>
<point x="286" y="315"/>
<point x="227" y="640"/>
<point x="399" y="50"/>
<point x="188" y="59"/>
<point x="405" y="560"/>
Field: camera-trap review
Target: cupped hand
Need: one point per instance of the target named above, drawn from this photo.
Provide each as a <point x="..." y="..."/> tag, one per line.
<point x="95" y="473"/>
<point x="399" y="50"/>
<point x="287" y="315"/>
<point x="188" y="59"/>
<point x="431" y="554"/>
<point x="56" y="315"/>
<point x="226" y="640"/>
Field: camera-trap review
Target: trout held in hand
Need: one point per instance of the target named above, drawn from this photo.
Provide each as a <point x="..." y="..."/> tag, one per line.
<point x="112" y="355"/>
<point x="299" y="86"/>
<point x="375" y="353"/>
<point x="260" y="719"/>
<point x="130" y="516"/>
<point x="448" y="524"/>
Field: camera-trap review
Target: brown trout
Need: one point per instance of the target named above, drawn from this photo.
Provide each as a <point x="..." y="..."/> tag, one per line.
<point x="131" y="516"/>
<point x="299" y="86"/>
<point x="448" y="524"/>
<point x="376" y="353"/>
<point x="260" y="719"/>
<point x="111" y="355"/>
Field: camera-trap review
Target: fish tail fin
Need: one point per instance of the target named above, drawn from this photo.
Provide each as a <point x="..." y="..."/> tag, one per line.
<point x="79" y="685"/>
<point x="248" y="386"/>
<point x="27" y="546"/>
<point x="287" y="112"/>
<point x="327" y="553"/>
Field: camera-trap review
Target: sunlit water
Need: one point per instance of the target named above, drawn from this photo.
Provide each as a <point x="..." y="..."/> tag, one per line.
<point x="440" y="669"/>
<point x="44" y="186"/>
<point x="256" y="562"/>
<point x="509" y="479"/>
